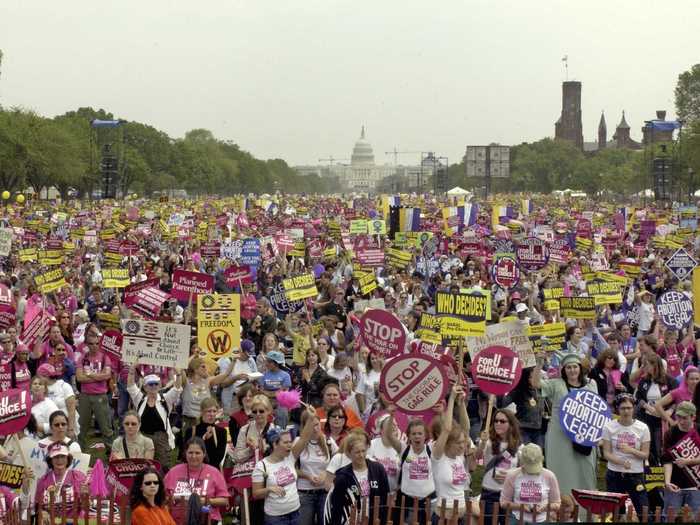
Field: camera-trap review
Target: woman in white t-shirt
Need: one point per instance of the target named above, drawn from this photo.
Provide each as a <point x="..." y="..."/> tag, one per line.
<point x="315" y="453"/>
<point x="368" y="389"/>
<point x="416" y="472"/>
<point x="450" y="465"/>
<point x="626" y="445"/>
<point x="645" y="306"/>
<point x="532" y="489"/>
<point x="275" y="478"/>
<point x="386" y="449"/>
<point x="499" y="447"/>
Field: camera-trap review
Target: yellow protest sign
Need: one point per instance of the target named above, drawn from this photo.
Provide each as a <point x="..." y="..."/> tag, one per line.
<point x="376" y="227"/>
<point x="50" y="281"/>
<point x="115" y="277"/>
<point x="300" y="287"/>
<point x="358" y="227"/>
<point x="218" y="324"/>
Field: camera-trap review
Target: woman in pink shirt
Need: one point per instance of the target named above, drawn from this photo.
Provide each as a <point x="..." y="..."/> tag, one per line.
<point x="67" y="486"/>
<point x="196" y="476"/>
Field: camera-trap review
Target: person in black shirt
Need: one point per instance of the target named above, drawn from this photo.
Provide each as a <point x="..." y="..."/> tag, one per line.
<point x="213" y="435"/>
<point x="679" y="487"/>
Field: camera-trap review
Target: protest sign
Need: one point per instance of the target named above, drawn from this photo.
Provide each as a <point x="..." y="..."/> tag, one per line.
<point x="15" y="410"/>
<point x="358" y="227"/>
<point x="506" y="273"/>
<point x="675" y="309"/>
<point x="398" y="258"/>
<point x="231" y="250"/>
<point x="551" y="297"/>
<point x="383" y="333"/>
<point x="111" y="343"/>
<point x="237" y="274"/>
<point x="696" y="296"/>
<point x="50" y="281"/>
<point x="11" y="476"/>
<point x="6" y="235"/>
<point x="115" y="277"/>
<point x="7" y="316"/>
<point x="131" y="290"/>
<point x="279" y="301"/>
<point x="681" y="264"/>
<point x="577" y="307"/>
<point x="241" y="474"/>
<point x="367" y="282"/>
<point x="654" y="478"/>
<point x="496" y="370"/>
<point x="533" y="254"/>
<point x="370" y="257"/>
<point x="28" y="255"/>
<point x="219" y="324"/>
<point x="210" y="249"/>
<point x="688" y="447"/>
<point x="582" y="416"/>
<point x="300" y="287"/>
<point x="511" y="334"/>
<point x="415" y="384"/>
<point x="36" y="328"/>
<point x="122" y="472"/>
<point x="158" y="344"/>
<point x="461" y="314"/>
<point x="376" y="227"/>
<point x="547" y="337"/>
<point x="604" y="292"/>
<point x="187" y="285"/>
<point x="147" y="302"/>
<point x="250" y="252"/>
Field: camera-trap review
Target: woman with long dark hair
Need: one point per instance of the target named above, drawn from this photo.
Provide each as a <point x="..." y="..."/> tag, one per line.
<point x="610" y="380"/>
<point x="499" y="447"/>
<point x="336" y="426"/>
<point x="312" y="377"/>
<point x="529" y="408"/>
<point x="148" y="499"/>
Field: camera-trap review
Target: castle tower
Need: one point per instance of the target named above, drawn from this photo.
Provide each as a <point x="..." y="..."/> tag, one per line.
<point x="622" y="133"/>
<point x="602" y="132"/>
<point x="569" y="125"/>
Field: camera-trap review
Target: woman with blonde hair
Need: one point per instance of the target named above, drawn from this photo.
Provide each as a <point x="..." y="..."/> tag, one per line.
<point x="251" y="438"/>
<point x="214" y="436"/>
<point x="197" y="388"/>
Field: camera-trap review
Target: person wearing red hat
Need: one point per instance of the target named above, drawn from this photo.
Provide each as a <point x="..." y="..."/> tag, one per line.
<point x="60" y="486"/>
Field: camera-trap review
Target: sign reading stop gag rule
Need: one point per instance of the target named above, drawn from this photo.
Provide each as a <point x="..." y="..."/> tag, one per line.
<point x="496" y="370"/>
<point x="383" y="333"/>
<point x="194" y="283"/>
<point x="582" y="416"/>
<point x="415" y="384"/>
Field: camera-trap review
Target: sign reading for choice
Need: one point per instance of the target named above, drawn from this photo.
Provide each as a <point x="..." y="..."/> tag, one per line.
<point x="383" y="333"/>
<point x="497" y="370"/>
<point x="582" y="416"/>
<point x="415" y="384"/>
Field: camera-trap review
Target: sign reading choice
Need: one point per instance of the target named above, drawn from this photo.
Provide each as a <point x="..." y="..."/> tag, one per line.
<point x="582" y="416"/>
<point x="415" y="384"/>
<point x="496" y="370"/>
<point x="383" y="333"/>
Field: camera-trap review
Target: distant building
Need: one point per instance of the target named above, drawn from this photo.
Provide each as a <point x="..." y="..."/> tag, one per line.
<point x="569" y="126"/>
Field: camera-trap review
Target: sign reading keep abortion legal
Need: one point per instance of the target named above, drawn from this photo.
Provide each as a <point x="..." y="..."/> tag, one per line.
<point x="582" y="416"/>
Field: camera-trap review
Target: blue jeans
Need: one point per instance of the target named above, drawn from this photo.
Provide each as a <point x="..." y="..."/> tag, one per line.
<point x="628" y="484"/>
<point x="676" y="500"/>
<point x="312" y="504"/>
<point x="285" y="519"/>
<point x="490" y="498"/>
<point x="529" y="435"/>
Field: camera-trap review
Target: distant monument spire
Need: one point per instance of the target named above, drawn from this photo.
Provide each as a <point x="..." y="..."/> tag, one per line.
<point x="362" y="135"/>
<point x="602" y="132"/>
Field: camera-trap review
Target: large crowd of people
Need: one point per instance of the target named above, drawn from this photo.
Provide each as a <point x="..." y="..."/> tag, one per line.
<point x="344" y="444"/>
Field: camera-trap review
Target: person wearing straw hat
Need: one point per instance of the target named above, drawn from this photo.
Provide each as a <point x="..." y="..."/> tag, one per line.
<point x="531" y="488"/>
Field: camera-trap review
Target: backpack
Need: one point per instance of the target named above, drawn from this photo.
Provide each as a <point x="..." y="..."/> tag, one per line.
<point x="403" y="460"/>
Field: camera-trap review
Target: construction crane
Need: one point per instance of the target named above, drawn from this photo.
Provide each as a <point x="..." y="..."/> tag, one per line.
<point x="396" y="154"/>
<point x="330" y="160"/>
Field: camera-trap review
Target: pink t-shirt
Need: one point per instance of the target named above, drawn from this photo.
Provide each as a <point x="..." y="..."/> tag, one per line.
<point x="69" y="490"/>
<point x="206" y="481"/>
<point x="23" y="377"/>
<point x="94" y="364"/>
<point x="680" y="394"/>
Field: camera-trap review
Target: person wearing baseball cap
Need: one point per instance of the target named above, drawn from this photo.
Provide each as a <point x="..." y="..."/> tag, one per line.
<point x="71" y="481"/>
<point x="679" y="488"/>
<point x="542" y="488"/>
<point x="276" y="379"/>
<point x="243" y="365"/>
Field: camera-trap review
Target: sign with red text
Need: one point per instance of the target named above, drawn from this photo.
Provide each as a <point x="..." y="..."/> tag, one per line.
<point x="383" y="333"/>
<point x="7" y="316"/>
<point x="496" y="370"/>
<point x="688" y="447"/>
<point x="15" y="410"/>
<point x="111" y="343"/>
<point x="236" y="274"/>
<point x="415" y="384"/>
<point x="533" y="254"/>
<point x="122" y="472"/>
<point x="131" y="290"/>
<point x="147" y="302"/>
<point x="506" y="273"/>
<point x="188" y="285"/>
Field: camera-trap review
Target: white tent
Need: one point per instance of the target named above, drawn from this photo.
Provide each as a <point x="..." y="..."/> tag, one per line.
<point x="696" y="194"/>
<point x="645" y="193"/>
<point x="457" y="191"/>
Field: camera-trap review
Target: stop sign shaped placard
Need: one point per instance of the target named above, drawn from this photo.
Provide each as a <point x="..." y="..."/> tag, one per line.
<point x="415" y="384"/>
<point x="496" y="370"/>
<point x="382" y="333"/>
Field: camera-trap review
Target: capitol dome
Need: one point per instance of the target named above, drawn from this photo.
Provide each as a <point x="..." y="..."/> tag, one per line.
<point x="362" y="153"/>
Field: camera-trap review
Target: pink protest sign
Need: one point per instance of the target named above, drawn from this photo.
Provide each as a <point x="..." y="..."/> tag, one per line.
<point x="131" y="290"/>
<point x="234" y="273"/>
<point x="415" y="384"/>
<point x="15" y="410"/>
<point x="5" y="295"/>
<point x="7" y="316"/>
<point x="383" y="333"/>
<point x="533" y="253"/>
<point x="122" y="472"/>
<point x="194" y="283"/>
<point x="241" y="475"/>
<point x="506" y="273"/>
<point x="36" y="330"/>
<point x="147" y="302"/>
<point x="210" y="249"/>
<point x="111" y="343"/>
<point x="496" y="370"/>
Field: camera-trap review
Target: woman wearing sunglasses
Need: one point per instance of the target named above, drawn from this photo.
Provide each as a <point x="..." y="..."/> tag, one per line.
<point x="153" y="408"/>
<point x="132" y="444"/>
<point x="336" y="426"/>
<point x="148" y="499"/>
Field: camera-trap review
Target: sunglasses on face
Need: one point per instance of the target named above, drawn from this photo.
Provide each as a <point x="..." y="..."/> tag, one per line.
<point x="150" y="483"/>
<point x="257" y="411"/>
<point x="337" y="416"/>
<point x="60" y="425"/>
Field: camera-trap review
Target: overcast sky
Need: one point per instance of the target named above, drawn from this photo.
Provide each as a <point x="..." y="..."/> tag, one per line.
<point x="296" y="79"/>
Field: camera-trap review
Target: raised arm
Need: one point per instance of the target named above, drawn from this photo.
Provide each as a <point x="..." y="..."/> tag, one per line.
<point x="447" y="421"/>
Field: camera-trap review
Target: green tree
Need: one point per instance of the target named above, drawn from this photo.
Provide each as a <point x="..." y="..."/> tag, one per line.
<point x="688" y="95"/>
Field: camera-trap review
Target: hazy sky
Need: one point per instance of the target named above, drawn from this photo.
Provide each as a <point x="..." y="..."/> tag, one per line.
<point x="297" y="79"/>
